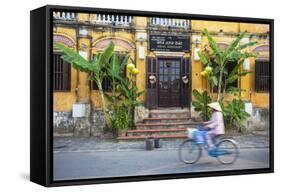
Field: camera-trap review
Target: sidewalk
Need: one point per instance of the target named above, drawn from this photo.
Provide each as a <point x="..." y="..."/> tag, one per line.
<point x="78" y="144"/>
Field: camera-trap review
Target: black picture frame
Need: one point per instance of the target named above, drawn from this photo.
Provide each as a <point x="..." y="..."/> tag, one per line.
<point x="41" y="145"/>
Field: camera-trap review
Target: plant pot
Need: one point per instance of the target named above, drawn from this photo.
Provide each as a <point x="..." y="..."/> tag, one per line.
<point x="149" y="143"/>
<point x="122" y="133"/>
<point x="157" y="143"/>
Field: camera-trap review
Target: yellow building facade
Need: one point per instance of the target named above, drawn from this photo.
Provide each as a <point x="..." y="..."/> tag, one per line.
<point x="165" y="52"/>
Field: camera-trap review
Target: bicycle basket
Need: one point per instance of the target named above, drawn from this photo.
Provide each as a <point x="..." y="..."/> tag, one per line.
<point x="199" y="137"/>
<point x="190" y="132"/>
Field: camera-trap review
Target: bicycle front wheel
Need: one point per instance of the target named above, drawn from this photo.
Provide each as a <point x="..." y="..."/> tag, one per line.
<point x="227" y="151"/>
<point x="189" y="152"/>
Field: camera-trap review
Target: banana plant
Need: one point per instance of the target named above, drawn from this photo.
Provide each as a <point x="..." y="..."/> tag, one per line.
<point x="130" y="94"/>
<point x="200" y="104"/>
<point x="115" y="72"/>
<point x="220" y="58"/>
<point x="234" y="114"/>
<point x="95" y="68"/>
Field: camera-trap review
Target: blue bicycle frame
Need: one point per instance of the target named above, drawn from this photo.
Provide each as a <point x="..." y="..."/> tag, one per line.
<point x="200" y="138"/>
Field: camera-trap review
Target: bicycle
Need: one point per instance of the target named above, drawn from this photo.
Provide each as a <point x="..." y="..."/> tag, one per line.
<point x="226" y="150"/>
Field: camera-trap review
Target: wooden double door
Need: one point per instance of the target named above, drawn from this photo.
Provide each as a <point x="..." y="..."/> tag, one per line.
<point x="171" y="85"/>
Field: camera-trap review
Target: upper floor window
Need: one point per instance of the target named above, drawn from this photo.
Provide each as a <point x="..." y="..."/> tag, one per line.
<point x="262" y="75"/>
<point x="61" y="73"/>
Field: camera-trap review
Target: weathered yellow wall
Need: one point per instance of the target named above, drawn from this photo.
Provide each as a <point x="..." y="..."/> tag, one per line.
<point x="214" y="26"/>
<point x="229" y="30"/>
<point x="254" y="28"/>
<point x="96" y="99"/>
<point x="63" y="101"/>
<point x="83" y="84"/>
<point x="141" y="63"/>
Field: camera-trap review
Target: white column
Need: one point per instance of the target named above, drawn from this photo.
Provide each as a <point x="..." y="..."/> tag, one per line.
<point x="63" y="15"/>
<point x="73" y="15"/>
<point x="170" y="22"/>
<point x="108" y="18"/>
<point x="98" y="17"/>
<point x="126" y="21"/>
<point x="161" y="21"/>
<point x="174" y="22"/>
<point x="68" y="16"/>
<point x="157" y="21"/>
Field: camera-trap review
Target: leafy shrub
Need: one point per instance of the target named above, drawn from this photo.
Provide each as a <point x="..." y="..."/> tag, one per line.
<point x="235" y="114"/>
<point x="122" y="119"/>
<point x="200" y="104"/>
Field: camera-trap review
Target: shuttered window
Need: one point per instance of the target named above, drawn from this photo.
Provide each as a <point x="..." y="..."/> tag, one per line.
<point x="61" y="73"/>
<point x="262" y="76"/>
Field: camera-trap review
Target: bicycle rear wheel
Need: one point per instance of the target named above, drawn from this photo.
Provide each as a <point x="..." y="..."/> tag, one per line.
<point x="189" y="152"/>
<point x="227" y="151"/>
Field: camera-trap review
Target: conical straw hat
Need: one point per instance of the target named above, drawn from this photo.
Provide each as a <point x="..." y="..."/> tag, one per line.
<point x="215" y="105"/>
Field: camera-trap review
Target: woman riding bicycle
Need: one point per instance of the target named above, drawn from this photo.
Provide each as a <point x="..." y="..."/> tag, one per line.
<point x="225" y="150"/>
<point x="215" y="126"/>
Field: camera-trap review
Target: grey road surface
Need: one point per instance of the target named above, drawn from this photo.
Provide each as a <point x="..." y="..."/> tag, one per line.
<point x="96" y="164"/>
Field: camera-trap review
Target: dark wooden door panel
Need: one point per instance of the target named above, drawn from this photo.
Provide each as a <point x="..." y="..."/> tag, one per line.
<point x="185" y="83"/>
<point x="171" y="89"/>
<point x="169" y="83"/>
<point x="151" y="88"/>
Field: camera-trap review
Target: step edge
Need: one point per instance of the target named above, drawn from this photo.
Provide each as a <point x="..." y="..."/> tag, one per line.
<point x="156" y="136"/>
<point x="156" y="130"/>
<point x="166" y="118"/>
<point x="167" y="124"/>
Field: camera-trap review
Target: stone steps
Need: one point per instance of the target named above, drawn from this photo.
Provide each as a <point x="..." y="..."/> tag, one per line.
<point x="142" y="137"/>
<point x="166" y="119"/>
<point x="164" y="123"/>
<point x="169" y="113"/>
<point x="152" y="132"/>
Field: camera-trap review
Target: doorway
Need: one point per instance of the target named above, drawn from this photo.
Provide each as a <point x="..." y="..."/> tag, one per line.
<point x="169" y="84"/>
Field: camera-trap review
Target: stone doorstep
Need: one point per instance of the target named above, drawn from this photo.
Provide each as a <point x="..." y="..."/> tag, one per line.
<point x="168" y="111"/>
<point x="166" y="124"/>
<point x="165" y="119"/>
<point x="155" y="130"/>
<point x="169" y="115"/>
<point x="142" y="137"/>
<point x="152" y="132"/>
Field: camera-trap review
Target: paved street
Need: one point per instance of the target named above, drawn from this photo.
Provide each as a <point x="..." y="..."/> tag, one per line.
<point x="93" y="164"/>
<point x="82" y="144"/>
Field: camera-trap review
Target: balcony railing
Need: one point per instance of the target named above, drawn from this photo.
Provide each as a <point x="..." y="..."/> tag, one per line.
<point x="169" y="22"/>
<point x="106" y="19"/>
<point x="66" y="16"/>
